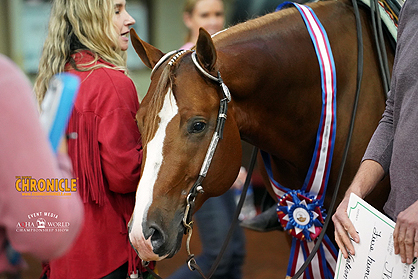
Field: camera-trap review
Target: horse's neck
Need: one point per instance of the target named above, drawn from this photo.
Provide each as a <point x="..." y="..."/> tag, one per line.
<point x="275" y="98"/>
<point x="274" y="79"/>
<point x="273" y="74"/>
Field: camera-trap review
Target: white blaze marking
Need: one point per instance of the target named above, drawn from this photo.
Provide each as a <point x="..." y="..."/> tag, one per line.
<point x="154" y="159"/>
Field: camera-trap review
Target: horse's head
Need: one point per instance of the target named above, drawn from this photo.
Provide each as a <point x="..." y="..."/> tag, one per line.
<point x="177" y="120"/>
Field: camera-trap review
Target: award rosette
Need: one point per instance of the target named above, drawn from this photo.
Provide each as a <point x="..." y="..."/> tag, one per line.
<point x="300" y="215"/>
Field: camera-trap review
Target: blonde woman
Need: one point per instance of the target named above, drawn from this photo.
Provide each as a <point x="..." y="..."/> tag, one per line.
<point x="88" y="38"/>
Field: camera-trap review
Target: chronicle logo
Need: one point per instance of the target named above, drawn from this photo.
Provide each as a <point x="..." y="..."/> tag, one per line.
<point x="43" y="222"/>
<point x="50" y="187"/>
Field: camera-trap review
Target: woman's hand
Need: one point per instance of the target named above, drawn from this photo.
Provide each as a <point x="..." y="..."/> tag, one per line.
<point x="344" y="229"/>
<point x="405" y="236"/>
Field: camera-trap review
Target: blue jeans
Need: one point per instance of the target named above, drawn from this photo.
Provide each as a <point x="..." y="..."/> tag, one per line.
<point x="213" y="220"/>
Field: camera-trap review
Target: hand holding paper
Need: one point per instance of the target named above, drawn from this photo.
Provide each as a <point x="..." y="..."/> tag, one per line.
<point x="375" y="255"/>
<point x="344" y="229"/>
<point x="367" y="177"/>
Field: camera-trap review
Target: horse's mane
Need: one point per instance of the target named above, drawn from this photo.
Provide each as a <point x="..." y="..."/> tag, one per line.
<point x="253" y="25"/>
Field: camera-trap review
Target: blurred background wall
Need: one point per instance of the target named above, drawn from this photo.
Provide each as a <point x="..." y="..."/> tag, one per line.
<point x="23" y="27"/>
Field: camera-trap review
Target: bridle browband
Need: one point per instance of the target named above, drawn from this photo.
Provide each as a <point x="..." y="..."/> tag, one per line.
<point x="163" y="59"/>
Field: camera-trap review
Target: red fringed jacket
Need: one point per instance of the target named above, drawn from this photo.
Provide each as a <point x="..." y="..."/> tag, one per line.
<point x="106" y="156"/>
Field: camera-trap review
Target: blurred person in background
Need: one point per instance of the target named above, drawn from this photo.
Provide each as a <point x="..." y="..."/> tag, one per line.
<point x="26" y="152"/>
<point x="208" y="14"/>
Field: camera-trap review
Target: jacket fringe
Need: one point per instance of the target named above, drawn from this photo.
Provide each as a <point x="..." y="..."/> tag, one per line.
<point x="85" y="151"/>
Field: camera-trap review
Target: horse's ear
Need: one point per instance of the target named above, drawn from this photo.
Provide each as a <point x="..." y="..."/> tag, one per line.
<point x="205" y="50"/>
<point x="149" y="54"/>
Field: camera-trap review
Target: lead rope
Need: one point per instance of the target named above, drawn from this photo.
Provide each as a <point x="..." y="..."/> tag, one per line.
<point x="237" y="211"/>
<point x="149" y="270"/>
<point x="191" y="261"/>
<point x="380" y="45"/>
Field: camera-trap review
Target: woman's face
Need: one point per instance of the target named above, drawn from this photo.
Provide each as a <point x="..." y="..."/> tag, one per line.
<point x="123" y="21"/>
<point x="208" y="14"/>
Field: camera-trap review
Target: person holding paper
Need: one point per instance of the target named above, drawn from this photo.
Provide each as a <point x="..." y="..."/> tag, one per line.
<point x="89" y="38"/>
<point x="393" y="149"/>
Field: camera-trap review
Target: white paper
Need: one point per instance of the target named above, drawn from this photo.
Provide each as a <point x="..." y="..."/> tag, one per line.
<point x="374" y="257"/>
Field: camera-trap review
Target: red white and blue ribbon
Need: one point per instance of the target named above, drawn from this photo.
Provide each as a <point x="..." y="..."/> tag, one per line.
<point x="300" y="211"/>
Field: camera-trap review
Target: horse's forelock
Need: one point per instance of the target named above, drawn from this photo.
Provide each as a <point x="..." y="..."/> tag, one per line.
<point x="157" y="100"/>
<point x="156" y="103"/>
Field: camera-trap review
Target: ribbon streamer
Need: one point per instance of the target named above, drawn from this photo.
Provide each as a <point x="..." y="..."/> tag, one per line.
<point x="300" y="211"/>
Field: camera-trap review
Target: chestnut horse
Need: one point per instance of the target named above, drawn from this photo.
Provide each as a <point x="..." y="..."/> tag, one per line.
<point x="271" y="69"/>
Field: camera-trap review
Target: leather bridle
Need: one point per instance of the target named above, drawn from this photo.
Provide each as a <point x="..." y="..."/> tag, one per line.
<point x="217" y="135"/>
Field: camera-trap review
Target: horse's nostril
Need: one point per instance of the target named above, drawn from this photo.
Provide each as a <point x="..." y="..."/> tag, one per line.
<point x="157" y="238"/>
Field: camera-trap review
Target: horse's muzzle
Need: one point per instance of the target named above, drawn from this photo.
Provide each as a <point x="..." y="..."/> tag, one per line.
<point x="153" y="243"/>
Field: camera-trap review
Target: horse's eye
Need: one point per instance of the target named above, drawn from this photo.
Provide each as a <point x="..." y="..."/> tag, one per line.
<point x="198" y="127"/>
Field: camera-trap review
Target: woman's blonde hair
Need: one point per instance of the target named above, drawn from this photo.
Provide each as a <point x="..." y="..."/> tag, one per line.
<point x="75" y="25"/>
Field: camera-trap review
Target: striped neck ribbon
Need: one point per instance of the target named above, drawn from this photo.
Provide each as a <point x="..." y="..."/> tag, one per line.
<point x="300" y="212"/>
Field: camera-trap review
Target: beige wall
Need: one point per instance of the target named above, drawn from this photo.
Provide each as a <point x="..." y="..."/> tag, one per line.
<point x="167" y="33"/>
<point x="9" y="29"/>
<point x="4" y="34"/>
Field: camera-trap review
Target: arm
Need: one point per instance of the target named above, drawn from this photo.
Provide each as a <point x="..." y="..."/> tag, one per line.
<point x="375" y="165"/>
<point x="118" y="135"/>
<point x="120" y="151"/>
<point x="367" y="177"/>
<point x="26" y="152"/>
<point x="405" y="235"/>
